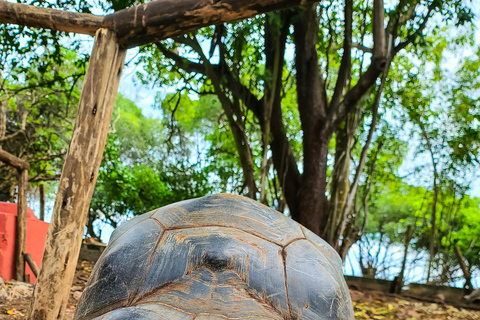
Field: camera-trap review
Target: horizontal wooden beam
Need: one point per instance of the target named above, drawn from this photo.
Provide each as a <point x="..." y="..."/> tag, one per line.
<point x="37" y="17"/>
<point x="13" y="161"/>
<point x="163" y="19"/>
<point x="145" y="23"/>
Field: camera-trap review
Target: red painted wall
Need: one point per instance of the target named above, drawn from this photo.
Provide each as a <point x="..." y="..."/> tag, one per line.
<point x="36" y="236"/>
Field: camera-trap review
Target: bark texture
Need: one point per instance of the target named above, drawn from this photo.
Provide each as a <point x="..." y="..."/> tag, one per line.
<point x="13" y="161"/>
<point x="36" y="17"/>
<point x="145" y="23"/>
<point x="42" y="202"/>
<point x="21" y="226"/>
<point x="78" y="178"/>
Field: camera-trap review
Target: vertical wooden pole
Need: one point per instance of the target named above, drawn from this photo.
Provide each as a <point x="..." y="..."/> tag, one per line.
<point x="42" y="202"/>
<point x="21" y="226"/>
<point x="408" y="238"/>
<point x="78" y="178"/>
<point x="21" y="222"/>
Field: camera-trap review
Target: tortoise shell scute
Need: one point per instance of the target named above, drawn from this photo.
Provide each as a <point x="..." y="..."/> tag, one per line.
<point x="219" y="256"/>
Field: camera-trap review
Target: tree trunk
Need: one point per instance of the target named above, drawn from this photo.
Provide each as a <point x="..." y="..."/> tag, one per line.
<point x="351" y="196"/>
<point x="463" y="266"/>
<point x="21" y="226"/>
<point x="312" y="203"/>
<point x="368" y="188"/>
<point x="340" y="183"/>
<point x="351" y="236"/>
<point x="42" y="202"/>
<point x="90" y="229"/>
<point x="244" y="153"/>
<point x="401" y="275"/>
<point x="313" y="207"/>
<point x="3" y="118"/>
<point x="276" y="32"/>
<point x="433" y="225"/>
<point x="78" y="178"/>
<point x="435" y="199"/>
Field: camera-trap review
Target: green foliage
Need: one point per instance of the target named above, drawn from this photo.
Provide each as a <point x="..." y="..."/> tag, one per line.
<point x="436" y="108"/>
<point x="39" y="103"/>
<point x="138" y="173"/>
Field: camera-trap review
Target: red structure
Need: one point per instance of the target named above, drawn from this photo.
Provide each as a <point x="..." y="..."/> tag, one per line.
<point x="36" y="235"/>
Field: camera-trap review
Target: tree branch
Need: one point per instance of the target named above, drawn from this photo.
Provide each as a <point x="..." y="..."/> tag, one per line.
<point x="311" y="95"/>
<point x="413" y="36"/>
<point x="378" y="31"/>
<point x="181" y="62"/>
<point x="3" y="119"/>
<point x="275" y="40"/>
<point x="363" y="155"/>
<point x="361" y="47"/>
<point x="346" y="63"/>
<point x="46" y="158"/>
<point x="238" y="131"/>
<point x="368" y="188"/>
<point x="378" y="64"/>
<point x="44" y="178"/>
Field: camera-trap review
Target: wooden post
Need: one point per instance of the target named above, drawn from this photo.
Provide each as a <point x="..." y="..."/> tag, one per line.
<point x="21" y="226"/>
<point x="463" y="266"/>
<point x="42" y="202"/>
<point x="13" y="161"/>
<point x="31" y="263"/>
<point x="408" y="238"/>
<point x="78" y="178"/>
<point x="21" y="222"/>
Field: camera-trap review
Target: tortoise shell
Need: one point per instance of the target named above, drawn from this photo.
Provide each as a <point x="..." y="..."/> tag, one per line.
<point x="217" y="257"/>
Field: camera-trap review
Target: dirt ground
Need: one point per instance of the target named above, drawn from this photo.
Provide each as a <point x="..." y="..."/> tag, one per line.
<point x="16" y="306"/>
<point x="367" y="304"/>
<point x="378" y="305"/>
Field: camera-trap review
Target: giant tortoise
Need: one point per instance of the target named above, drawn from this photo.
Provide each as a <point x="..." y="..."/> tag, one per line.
<point x="217" y="257"/>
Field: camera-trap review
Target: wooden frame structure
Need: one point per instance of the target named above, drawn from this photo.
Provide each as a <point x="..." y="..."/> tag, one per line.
<point x="142" y="24"/>
<point x="22" y="167"/>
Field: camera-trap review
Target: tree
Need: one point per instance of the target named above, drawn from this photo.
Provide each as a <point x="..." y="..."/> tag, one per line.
<point x="138" y="174"/>
<point x="329" y="85"/>
<point x="38" y="106"/>
<point x="443" y="120"/>
<point x="435" y="108"/>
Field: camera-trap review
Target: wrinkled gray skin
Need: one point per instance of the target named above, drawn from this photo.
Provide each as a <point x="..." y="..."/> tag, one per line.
<point x="216" y="257"/>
